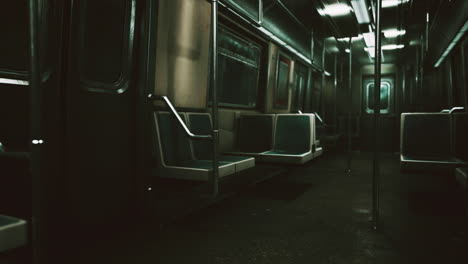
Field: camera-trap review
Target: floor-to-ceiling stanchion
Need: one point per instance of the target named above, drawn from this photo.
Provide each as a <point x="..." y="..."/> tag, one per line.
<point x="335" y="94"/>
<point x="214" y="95"/>
<point x="376" y="165"/>
<point x="36" y="131"/>
<point x="350" y="104"/>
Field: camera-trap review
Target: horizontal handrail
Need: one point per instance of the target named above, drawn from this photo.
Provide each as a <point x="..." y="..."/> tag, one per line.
<point x="320" y="119"/>
<point x="179" y="119"/>
<point x="456" y="108"/>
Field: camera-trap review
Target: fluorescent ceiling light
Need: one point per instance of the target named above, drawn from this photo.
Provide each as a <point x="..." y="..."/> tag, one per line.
<point x="371" y="51"/>
<point x="392" y="3"/>
<point x="283" y="44"/>
<point x="393" y="33"/>
<point x="360" y="9"/>
<point x="327" y="73"/>
<point x="278" y="40"/>
<point x="392" y="47"/>
<point x="369" y="39"/>
<point x="14" y="81"/>
<point x="272" y="36"/>
<point x="266" y="32"/>
<point x="356" y="38"/>
<point x="347" y="50"/>
<point x="335" y="10"/>
<point x="452" y="44"/>
<point x="414" y="42"/>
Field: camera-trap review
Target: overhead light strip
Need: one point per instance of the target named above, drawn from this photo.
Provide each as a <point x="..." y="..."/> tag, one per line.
<point x="360" y="10"/>
<point x="393" y="3"/>
<point x="283" y="44"/>
<point x="14" y="81"/>
<point x="335" y="10"/>
<point x="369" y="39"/>
<point x="393" y="33"/>
<point x="386" y="47"/>
<point x="452" y="44"/>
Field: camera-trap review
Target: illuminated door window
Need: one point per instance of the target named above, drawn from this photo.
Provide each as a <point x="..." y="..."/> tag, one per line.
<point x="384" y="97"/>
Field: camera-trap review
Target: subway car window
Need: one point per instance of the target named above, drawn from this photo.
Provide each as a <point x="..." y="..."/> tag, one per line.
<point x="105" y="36"/>
<point x="300" y="83"/>
<point x="238" y="70"/>
<point x="14" y="39"/>
<point x="385" y="95"/>
<point x="282" y="83"/>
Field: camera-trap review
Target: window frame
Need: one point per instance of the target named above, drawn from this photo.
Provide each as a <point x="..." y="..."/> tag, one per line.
<point x="276" y="90"/>
<point x="368" y="83"/>
<point x="238" y="57"/>
<point x="121" y="84"/>
<point x="300" y="70"/>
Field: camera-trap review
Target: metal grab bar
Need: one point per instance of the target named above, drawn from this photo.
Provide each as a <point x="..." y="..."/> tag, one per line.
<point x="174" y="112"/>
<point x="319" y="118"/>
<point x="456" y="108"/>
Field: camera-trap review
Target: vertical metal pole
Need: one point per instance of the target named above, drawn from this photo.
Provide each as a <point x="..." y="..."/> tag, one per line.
<point x="321" y="108"/>
<point x="214" y="95"/>
<point x="335" y="88"/>
<point x="375" y="176"/>
<point x="350" y="102"/>
<point x="36" y="130"/>
<point x="260" y="12"/>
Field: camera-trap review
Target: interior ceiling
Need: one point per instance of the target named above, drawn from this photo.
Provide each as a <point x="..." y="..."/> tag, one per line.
<point x="410" y="16"/>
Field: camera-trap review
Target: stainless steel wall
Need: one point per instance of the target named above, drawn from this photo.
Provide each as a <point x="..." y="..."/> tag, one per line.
<point x="183" y="52"/>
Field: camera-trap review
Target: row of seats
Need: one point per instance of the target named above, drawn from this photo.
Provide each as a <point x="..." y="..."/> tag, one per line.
<point x="432" y="142"/>
<point x="281" y="138"/>
<point x="183" y="158"/>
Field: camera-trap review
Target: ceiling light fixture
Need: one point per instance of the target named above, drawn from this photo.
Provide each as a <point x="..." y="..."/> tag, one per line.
<point x="369" y="39"/>
<point x="452" y="44"/>
<point x="335" y="10"/>
<point x="392" y="3"/>
<point x="392" y="47"/>
<point x="393" y="33"/>
<point x="371" y="52"/>
<point x="360" y="10"/>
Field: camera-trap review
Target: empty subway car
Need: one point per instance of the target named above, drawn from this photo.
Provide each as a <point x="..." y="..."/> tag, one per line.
<point x="233" y="131"/>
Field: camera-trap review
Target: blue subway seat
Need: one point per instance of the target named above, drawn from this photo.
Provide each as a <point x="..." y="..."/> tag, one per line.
<point x="175" y="152"/>
<point x="200" y="123"/>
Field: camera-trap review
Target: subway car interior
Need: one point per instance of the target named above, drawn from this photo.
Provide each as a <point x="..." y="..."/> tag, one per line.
<point x="233" y="131"/>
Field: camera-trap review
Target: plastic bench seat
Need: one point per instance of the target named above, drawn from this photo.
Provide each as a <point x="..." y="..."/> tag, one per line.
<point x="427" y="142"/>
<point x="293" y="138"/>
<point x="13" y="233"/>
<point x="176" y="153"/>
<point x="200" y="123"/>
